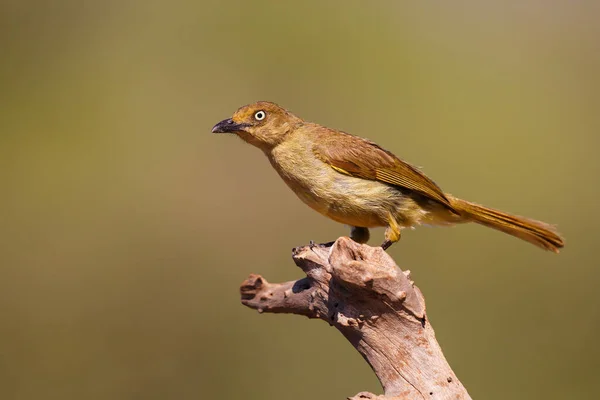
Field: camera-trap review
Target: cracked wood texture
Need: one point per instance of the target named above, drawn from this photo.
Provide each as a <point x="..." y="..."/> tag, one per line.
<point x="360" y="290"/>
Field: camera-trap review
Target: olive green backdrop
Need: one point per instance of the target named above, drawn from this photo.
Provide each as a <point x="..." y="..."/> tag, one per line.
<point x="126" y="227"/>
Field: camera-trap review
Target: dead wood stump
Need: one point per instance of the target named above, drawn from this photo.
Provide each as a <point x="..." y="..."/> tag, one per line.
<point x="361" y="291"/>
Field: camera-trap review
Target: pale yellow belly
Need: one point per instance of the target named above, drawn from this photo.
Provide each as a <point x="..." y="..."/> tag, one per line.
<point x="342" y="207"/>
<point x="357" y="202"/>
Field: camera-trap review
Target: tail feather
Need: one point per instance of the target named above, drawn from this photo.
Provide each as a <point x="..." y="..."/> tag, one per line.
<point x="536" y="232"/>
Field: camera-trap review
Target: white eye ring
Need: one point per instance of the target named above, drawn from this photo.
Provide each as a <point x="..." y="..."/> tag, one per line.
<point x="260" y="115"/>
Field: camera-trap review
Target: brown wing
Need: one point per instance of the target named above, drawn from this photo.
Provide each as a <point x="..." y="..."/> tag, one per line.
<point x="361" y="158"/>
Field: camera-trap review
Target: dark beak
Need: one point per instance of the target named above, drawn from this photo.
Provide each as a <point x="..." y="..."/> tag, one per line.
<point x="227" y="126"/>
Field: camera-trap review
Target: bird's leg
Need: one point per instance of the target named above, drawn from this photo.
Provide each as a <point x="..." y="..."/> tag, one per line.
<point x="359" y="234"/>
<point x="391" y="237"/>
<point x="392" y="233"/>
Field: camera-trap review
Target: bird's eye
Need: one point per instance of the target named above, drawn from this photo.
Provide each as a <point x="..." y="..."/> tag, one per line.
<point x="260" y="115"/>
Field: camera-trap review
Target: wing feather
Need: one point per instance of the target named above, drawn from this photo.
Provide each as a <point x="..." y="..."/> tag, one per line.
<point x="361" y="158"/>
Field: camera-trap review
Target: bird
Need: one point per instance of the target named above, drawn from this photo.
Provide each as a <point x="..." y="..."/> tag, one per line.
<point x="354" y="181"/>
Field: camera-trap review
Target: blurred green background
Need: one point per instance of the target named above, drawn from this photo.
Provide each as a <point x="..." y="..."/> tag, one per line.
<point x="126" y="227"/>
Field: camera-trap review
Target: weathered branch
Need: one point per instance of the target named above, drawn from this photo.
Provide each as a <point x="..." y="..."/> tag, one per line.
<point x="360" y="290"/>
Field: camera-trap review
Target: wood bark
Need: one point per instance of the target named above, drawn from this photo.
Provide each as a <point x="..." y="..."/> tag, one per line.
<point x="360" y="290"/>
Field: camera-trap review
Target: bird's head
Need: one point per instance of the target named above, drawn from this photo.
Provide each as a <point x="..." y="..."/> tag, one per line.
<point x="263" y="124"/>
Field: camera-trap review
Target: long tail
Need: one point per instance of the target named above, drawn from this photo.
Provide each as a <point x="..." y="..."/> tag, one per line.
<point x="538" y="233"/>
